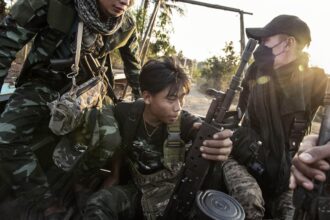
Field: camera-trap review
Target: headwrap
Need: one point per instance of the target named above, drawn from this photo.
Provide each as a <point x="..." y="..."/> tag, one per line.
<point x="88" y="12"/>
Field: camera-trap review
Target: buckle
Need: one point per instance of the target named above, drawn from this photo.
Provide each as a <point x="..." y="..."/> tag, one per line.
<point x="174" y="139"/>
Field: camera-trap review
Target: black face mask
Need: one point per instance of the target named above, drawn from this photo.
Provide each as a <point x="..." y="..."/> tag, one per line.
<point x="264" y="58"/>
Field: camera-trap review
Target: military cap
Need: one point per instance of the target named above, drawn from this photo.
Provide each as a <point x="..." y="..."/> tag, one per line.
<point x="283" y="24"/>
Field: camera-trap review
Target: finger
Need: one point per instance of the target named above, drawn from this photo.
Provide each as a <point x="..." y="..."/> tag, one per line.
<point x="226" y="143"/>
<point x="223" y="134"/>
<point x="307" y="143"/>
<point x="310" y="139"/>
<point x="315" y="154"/>
<point x="308" y="170"/>
<point x="215" y="157"/>
<point x="300" y="179"/>
<point x="197" y="125"/>
<point x="321" y="165"/>
<point x="292" y="184"/>
<point x="215" y="151"/>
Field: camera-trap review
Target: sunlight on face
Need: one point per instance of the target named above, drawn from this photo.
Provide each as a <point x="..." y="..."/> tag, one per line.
<point x="114" y="7"/>
<point x="167" y="107"/>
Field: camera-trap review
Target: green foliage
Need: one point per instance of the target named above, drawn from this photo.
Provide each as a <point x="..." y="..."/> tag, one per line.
<point x="160" y="38"/>
<point x="218" y="70"/>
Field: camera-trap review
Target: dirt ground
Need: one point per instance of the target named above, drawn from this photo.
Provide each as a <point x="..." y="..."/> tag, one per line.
<point x="196" y="102"/>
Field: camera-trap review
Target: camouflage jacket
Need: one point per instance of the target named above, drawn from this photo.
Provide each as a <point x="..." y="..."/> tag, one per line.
<point x="53" y="37"/>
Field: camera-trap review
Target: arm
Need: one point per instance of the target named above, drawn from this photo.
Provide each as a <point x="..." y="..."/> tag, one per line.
<point x="131" y="60"/>
<point x="16" y="32"/>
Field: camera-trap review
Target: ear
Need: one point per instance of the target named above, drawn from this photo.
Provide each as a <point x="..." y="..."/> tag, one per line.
<point x="146" y="97"/>
<point x="291" y="42"/>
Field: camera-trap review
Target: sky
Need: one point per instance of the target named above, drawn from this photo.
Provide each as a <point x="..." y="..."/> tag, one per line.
<point x="202" y="31"/>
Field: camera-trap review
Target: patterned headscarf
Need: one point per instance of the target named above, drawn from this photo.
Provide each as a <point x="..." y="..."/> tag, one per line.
<point x="89" y="13"/>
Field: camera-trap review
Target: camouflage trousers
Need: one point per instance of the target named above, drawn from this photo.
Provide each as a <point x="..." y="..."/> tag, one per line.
<point x="27" y="170"/>
<point x="114" y="203"/>
<point x="245" y="189"/>
<point x="26" y="114"/>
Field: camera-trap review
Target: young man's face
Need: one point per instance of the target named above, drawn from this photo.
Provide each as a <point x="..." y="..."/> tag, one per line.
<point x="114" y="7"/>
<point x="164" y="107"/>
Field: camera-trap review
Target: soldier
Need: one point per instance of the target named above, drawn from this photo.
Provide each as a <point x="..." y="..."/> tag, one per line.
<point x="154" y="132"/>
<point x="52" y="26"/>
<point x="280" y="96"/>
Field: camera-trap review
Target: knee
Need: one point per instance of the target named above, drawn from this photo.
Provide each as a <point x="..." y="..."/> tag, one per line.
<point x="99" y="206"/>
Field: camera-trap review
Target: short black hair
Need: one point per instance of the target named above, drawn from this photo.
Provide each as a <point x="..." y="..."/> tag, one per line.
<point x="157" y="75"/>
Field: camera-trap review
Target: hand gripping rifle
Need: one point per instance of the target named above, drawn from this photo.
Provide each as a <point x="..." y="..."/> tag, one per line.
<point x="315" y="204"/>
<point x="196" y="168"/>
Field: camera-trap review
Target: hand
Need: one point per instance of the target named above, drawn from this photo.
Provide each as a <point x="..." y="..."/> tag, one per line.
<point x="309" y="163"/>
<point x="219" y="147"/>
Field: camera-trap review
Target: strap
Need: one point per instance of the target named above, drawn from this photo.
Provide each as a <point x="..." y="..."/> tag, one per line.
<point x="75" y="66"/>
<point x="298" y="130"/>
<point x="132" y="122"/>
<point x="174" y="140"/>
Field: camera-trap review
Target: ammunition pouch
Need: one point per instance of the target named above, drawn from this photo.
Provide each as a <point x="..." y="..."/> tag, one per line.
<point x="148" y="161"/>
<point x="67" y="112"/>
<point x="246" y="144"/>
<point x="156" y="189"/>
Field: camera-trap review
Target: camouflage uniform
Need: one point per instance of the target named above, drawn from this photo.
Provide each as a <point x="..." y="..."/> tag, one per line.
<point x="273" y="103"/>
<point x="151" y="179"/>
<point x="26" y="116"/>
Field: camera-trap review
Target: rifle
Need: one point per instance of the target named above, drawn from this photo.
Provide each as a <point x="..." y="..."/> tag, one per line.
<point x="315" y="204"/>
<point x="196" y="168"/>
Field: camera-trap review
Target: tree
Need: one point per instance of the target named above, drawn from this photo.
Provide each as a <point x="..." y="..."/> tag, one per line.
<point x="159" y="43"/>
<point x="219" y="69"/>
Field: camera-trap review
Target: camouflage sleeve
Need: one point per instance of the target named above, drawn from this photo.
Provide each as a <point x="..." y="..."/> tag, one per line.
<point x="15" y="33"/>
<point x="131" y="59"/>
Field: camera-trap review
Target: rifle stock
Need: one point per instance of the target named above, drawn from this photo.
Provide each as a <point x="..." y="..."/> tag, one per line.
<point x="315" y="204"/>
<point x="196" y="168"/>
